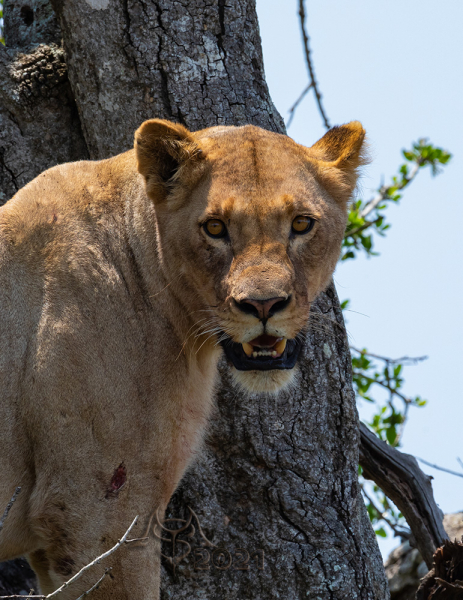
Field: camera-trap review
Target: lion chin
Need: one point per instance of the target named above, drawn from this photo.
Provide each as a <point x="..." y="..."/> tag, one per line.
<point x="268" y="382"/>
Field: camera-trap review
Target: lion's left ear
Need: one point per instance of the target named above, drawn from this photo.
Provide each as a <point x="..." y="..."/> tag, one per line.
<point x="337" y="157"/>
<point x="163" y="149"/>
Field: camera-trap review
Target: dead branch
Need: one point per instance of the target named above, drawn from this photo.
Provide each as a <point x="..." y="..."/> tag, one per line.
<point x="94" y="562"/>
<point x="401" y="479"/>
<point x="8" y="507"/>
<point x="96" y="586"/>
<point x="313" y="82"/>
<point x="82" y="571"/>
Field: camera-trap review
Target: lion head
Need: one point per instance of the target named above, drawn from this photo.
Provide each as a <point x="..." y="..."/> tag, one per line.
<point x="252" y="222"/>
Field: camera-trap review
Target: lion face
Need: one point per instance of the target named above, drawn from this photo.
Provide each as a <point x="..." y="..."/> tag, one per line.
<point x="253" y="223"/>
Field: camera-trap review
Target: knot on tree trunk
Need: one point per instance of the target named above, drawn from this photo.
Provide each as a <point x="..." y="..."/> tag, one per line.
<point x="39" y="73"/>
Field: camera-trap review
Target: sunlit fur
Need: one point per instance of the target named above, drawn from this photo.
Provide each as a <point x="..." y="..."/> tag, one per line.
<point x="268" y="182"/>
<point x="113" y="302"/>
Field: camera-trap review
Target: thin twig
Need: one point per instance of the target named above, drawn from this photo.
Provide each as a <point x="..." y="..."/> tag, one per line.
<point x="94" y="562"/>
<point x="384" y="191"/>
<point x="8" y="507"/>
<point x="82" y="571"/>
<point x="460" y="462"/>
<point x="97" y="584"/>
<point x="296" y="104"/>
<point x="29" y="595"/>
<point x="403" y="359"/>
<point x="403" y="533"/>
<point x="384" y="385"/>
<point x="313" y="83"/>
<point x="440" y="468"/>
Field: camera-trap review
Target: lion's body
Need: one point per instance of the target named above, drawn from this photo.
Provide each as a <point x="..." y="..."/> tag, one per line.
<point x="107" y="368"/>
<point x="86" y="387"/>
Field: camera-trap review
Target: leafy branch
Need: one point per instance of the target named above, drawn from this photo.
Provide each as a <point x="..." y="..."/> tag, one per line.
<point x="358" y="235"/>
<point x="389" y="422"/>
<point x="365" y="219"/>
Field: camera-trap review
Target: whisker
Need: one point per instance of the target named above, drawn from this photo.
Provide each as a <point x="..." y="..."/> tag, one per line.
<point x="164" y="288"/>
<point x="198" y="325"/>
<point x="208" y="338"/>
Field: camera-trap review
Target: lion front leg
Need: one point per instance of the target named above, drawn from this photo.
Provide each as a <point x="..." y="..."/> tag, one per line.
<point x="130" y="572"/>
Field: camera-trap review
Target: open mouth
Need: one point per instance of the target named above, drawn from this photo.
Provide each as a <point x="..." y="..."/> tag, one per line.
<point x="264" y="353"/>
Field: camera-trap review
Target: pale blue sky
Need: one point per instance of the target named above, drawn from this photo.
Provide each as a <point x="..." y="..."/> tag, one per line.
<point x="397" y="67"/>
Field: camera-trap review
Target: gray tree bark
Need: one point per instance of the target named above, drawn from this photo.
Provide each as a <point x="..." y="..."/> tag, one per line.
<point x="275" y="496"/>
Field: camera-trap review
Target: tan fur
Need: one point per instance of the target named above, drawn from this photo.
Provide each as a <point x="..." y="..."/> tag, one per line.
<point x="111" y="302"/>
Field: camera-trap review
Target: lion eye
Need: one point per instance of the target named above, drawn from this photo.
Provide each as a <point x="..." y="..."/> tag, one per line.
<point x="302" y="224"/>
<point x="215" y="228"/>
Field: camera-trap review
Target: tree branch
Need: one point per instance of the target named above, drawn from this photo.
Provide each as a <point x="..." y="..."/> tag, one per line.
<point x="402" y="359"/>
<point x="401" y="479"/>
<point x="296" y="104"/>
<point x="384" y="385"/>
<point x="313" y="83"/>
<point x="94" y="562"/>
<point x="384" y="191"/>
<point x="366" y="225"/>
<point x="96" y="586"/>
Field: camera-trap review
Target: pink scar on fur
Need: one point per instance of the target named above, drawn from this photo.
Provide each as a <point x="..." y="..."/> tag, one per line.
<point x="117" y="481"/>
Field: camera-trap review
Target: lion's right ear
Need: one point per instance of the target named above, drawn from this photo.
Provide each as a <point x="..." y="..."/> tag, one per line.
<point x="163" y="150"/>
<point x="338" y="156"/>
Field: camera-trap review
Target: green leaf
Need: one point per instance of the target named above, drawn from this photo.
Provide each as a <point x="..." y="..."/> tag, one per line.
<point x="391" y="435"/>
<point x="345" y="304"/>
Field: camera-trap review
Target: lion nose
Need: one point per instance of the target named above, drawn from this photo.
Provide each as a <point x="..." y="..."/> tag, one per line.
<point x="263" y="309"/>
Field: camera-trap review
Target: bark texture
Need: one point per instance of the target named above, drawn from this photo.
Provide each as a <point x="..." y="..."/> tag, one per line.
<point x="280" y="475"/>
<point x="195" y="62"/>
<point x="39" y="124"/>
<point x="275" y="494"/>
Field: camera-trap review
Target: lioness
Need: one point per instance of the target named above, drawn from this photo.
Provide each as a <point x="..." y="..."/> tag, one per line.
<point x="121" y="281"/>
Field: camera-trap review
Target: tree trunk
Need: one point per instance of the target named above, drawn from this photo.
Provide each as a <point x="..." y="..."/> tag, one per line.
<point x="277" y="510"/>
